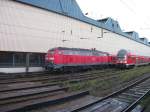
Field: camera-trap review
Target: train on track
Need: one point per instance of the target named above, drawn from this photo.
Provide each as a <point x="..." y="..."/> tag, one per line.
<point x="62" y="58"/>
<point x="126" y="59"/>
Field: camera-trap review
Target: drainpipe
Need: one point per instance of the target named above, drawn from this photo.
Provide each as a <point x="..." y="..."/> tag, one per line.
<point x="27" y="62"/>
<point x="13" y="61"/>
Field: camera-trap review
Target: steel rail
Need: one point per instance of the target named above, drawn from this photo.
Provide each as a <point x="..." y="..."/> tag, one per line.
<point x="134" y="104"/>
<point x="115" y="94"/>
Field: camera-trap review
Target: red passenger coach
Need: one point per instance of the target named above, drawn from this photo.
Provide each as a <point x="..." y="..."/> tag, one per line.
<point x="61" y="57"/>
<point x="126" y="59"/>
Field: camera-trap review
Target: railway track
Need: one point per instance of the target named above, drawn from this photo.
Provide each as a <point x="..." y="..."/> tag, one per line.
<point x="25" y="93"/>
<point x="14" y="99"/>
<point x="124" y="100"/>
<point x="22" y="87"/>
<point x="25" y="75"/>
<point x="4" y="76"/>
<point x="44" y="78"/>
<point x="33" y="94"/>
<point x="25" y="84"/>
<point x="42" y="81"/>
<point x="116" y="102"/>
<point x="34" y="99"/>
<point x="48" y="78"/>
<point x="19" y="95"/>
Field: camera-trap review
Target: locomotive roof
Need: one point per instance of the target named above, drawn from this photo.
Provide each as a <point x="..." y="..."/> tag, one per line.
<point x="78" y="49"/>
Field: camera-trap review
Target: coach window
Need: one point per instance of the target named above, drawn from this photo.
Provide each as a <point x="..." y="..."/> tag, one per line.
<point x="95" y="53"/>
<point x="81" y="53"/>
<point x="91" y="53"/>
<point x="65" y="52"/>
<point x="70" y="52"/>
<point x="100" y="54"/>
<point x="75" y="52"/>
<point x="88" y="53"/>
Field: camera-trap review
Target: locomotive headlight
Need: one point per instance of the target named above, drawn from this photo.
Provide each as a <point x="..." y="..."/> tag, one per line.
<point x="125" y="57"/>
<point x="51" y="59"/>
<point x="59" y="52"/>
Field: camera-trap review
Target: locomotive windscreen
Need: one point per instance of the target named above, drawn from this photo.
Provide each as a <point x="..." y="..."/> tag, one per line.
<point x="51" y="52"/>
<point x="122" y="53"/>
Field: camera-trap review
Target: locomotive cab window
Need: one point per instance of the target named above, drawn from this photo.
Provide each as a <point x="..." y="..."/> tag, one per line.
<point x="95" y="54"/>
<point x="51" y="52"/>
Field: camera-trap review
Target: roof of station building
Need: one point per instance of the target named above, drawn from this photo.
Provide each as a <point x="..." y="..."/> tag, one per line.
<point x="71" y="9"/>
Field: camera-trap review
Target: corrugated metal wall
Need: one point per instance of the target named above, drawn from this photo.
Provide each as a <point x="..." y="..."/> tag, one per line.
<point x="28" y="29"/>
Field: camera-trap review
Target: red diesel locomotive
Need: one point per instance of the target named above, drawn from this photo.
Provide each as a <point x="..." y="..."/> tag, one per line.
<point x="127" y="59"/>
<point x="60" y="58"/>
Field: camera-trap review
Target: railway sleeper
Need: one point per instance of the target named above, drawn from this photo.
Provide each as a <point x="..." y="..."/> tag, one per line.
<point x="24" y="93"/>
<point x="130" y="94"/>
<point x="127" y="98"/>
<point x="123" y="100"/>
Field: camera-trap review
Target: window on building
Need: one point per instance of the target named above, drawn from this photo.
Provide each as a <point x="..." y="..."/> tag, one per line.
<point x="36" y="59"/>
<point x="15" y="59"/>
<point x="6" y="59"/>
<point x="19" y="59"/>
<point x="113" y="25"/>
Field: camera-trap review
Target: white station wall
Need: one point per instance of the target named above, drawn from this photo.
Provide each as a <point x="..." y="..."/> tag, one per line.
<point x="29" y="29"/>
